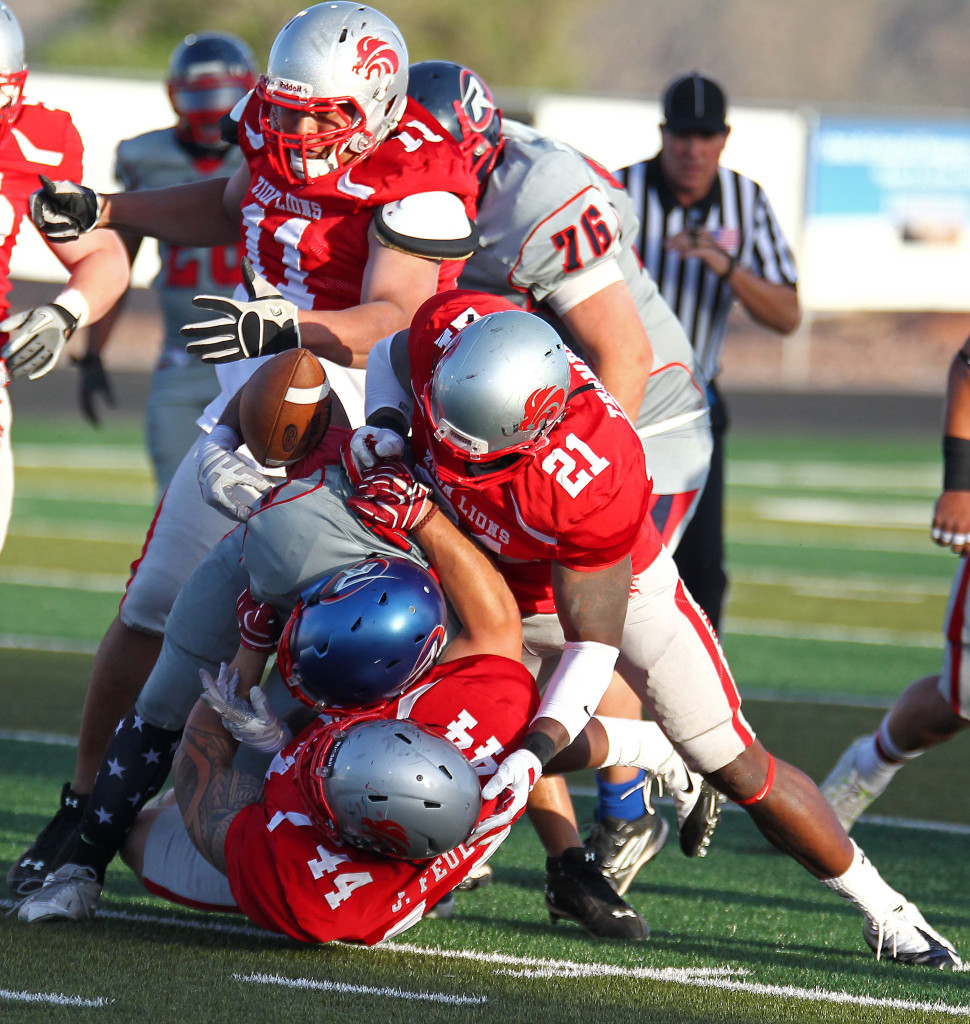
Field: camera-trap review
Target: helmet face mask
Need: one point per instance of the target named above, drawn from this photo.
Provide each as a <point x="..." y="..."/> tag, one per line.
<point x="463" y="105"/>
<point x="209" y="73"/>
<point x="388" y="786"/>
<point x="336" y="61"/>
<point x="13" y="69"/>
<point x="362" y="636"/>
<point x="497" y="391"/>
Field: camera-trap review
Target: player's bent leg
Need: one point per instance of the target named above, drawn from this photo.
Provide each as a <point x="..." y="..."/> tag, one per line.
<point x="6" y="465"/>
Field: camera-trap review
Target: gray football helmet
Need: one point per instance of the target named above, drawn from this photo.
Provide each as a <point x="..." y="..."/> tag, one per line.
<point x="389" y="786"/>
<point x="333" y="59"/>
<point x="13" y="68"/>
<point x="498" y="389"/>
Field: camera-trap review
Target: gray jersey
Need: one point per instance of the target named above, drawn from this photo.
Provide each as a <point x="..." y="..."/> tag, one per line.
<point x="156" y="160"/>
<point x="548" y="217"/>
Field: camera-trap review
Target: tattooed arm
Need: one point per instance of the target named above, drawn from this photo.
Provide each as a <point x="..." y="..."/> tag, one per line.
<point x="209" y="790"/>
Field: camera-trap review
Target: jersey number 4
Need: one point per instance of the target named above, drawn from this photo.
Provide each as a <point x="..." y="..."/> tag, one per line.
<point x="572" y="474"/>
<point x="568" y="240"/>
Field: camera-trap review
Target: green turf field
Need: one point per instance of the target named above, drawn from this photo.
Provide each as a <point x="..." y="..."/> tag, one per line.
<point x="836" y="604"/>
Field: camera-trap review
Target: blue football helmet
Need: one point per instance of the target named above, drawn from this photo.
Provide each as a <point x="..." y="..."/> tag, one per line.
<point x="363" y="635"/>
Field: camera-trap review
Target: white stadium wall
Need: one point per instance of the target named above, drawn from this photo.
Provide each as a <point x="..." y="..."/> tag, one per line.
<point x="877" y="210"/>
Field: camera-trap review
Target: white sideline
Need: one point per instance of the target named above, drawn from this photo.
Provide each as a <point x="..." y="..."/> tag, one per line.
<point x="722" y="978"/>
<point x="53" y="998"/>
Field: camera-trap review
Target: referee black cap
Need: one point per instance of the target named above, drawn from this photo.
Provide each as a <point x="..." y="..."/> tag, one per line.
<point x="693" y="103"/>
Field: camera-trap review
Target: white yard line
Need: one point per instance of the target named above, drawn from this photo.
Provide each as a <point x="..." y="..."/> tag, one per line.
<point x="59" y="579"/>
<point x="52" y="998"/>
<point x="126" y="458"/>
<point x="55" y="644"/>
<point x="832" y="634"/>
<point x="308" y="984"/>
<point x="828" y="477"/>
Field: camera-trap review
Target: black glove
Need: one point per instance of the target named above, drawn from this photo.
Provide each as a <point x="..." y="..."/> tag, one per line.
<point x="93" y="382"/>
<point x="63" y="211"/>
<point x="263" y="326"/>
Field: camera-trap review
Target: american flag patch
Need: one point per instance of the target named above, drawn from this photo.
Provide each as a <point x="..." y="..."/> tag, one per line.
<point x="728" y="239"/>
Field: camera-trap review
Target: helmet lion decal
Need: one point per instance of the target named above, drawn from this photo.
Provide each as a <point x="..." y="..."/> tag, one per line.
<point x="375" y="56"/>
<point x="541" y="406"/>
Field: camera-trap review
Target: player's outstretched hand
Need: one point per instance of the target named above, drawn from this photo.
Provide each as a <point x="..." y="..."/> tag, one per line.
<point x="262" y="326"/>
<point x="228" y="484"/>
<point x="252" y="721"/>
<point x="391" y="503"/>
<point x="63" y="210"/>
<point x="93" y="385"/>
<point x="366" y="447"/>
<point x="951" y="521"/>
<point x="513" y="782"/>
<point x="36" y="339"/>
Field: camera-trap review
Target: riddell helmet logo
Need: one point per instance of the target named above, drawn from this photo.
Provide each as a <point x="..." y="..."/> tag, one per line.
<point x="374" y="56"/>
<point x="541" y="406"/>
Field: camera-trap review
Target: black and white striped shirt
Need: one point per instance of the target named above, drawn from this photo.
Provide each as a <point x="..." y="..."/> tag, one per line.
<point x="737" y="212"/>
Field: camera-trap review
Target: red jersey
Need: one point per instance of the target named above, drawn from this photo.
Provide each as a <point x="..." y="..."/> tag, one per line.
<point x="310" y="241"/>
<point x="581" y="501"/>
<point x="288" y="877"/>
<point x="41" y="141"/>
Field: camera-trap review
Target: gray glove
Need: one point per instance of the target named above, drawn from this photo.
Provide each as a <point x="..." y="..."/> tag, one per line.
<point x="36" y="339"/>
<point x="63" y="211"/>
<point x="228" y="484"/>
<point x="252" y="721"/>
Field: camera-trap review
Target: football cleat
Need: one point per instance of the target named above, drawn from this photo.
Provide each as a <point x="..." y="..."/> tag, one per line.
<point x="478" y="878"/>
<point x="70" y="893"/>
<point x="844" y="790"/>
<point x="576" y="891"/>
<point x="51" y="848"/>
<point x="444" y="908"/>
<point x="698" y="807"/>
<point x="904" y="937"/>
<point x="623" y="847"/>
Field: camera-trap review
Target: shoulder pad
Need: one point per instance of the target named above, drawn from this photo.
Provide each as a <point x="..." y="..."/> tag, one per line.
<point x="429" y="224"/>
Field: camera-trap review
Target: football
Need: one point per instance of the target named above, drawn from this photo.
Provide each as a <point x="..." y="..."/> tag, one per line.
<point x="284" y="408"/>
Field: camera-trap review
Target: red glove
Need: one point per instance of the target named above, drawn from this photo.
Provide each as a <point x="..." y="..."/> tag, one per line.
<point x="391" y="502"/>
<point x="259" y="625"/>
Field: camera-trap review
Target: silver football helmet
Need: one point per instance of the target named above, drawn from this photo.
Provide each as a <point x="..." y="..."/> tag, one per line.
<point x="13" y="68"/>
<point x="341" y="62"/>
<point x="388" y="786"/>
<point x="498" y="389"/>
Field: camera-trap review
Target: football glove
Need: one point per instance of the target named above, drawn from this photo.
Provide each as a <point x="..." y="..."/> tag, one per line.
<point x="367" y="446"/>
<point x="391" y="503"/>
<point x="63" y="211"/>
<point x="259" y="625"/>
<point x="253" y="721"/>
<point x="36" y="339"/>
<point x="261" y="326"/>
<point x="515" y="777"/>
<point x="94" y="382"/>
<point x="228" y="484"/>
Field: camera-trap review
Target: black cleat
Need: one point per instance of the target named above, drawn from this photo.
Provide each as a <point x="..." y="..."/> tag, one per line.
<point x="623" y="847"/>
<point x="698" y="808"/>
<point x="575" y="890"/>
<point x="52" y="848"/>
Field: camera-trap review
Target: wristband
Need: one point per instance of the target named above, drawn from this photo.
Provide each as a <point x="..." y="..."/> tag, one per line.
<point x="956" y="464"/>
<point x="74" y="302"/>
<point x="541" y="745"/>
<point x="427" y="519"/>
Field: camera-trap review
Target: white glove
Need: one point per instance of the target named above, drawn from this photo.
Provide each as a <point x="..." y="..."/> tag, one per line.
<point x="228" y="484"/>
<point x="368" y="445"/>
<point x="63" y="211"/>
<point x="252" y="721"/>
<point x="517" y="774"/>
<point x="36" y="339"/>
<point x="261" y="326"/>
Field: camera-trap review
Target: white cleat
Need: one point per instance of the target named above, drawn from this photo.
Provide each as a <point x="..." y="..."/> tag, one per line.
<point x="70" y="893"/>
<point x="844" y="789"/>
<point x="904" y="937"/>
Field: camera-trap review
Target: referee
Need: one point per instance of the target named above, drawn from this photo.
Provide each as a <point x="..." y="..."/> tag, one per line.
<point x="708" y="237"/>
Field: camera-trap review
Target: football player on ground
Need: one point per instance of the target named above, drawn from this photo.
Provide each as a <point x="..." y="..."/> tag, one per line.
<point x="35" y="140"/>
<point x="535" y="459"/>
<point x="935" y="708"/>
<point x="556" y="234"/>
<point x="208" y="74"/>
<point x="352" y="211"/>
